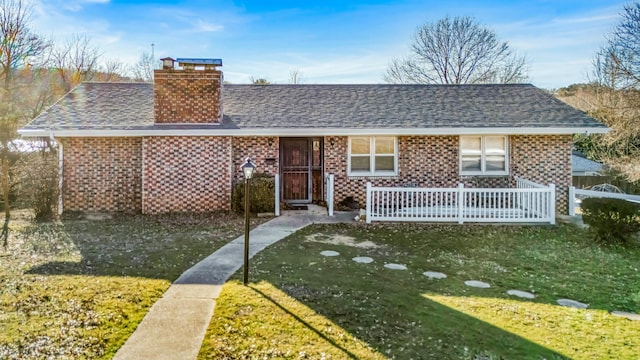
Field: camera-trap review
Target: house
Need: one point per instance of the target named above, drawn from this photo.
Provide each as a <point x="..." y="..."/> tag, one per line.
<point x="176" y="145"/>
<point x="581" y="166"/>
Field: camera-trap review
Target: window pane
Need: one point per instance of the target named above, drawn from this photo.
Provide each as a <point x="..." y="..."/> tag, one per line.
<point x="495" y="163"/>
<point x="384" y="145"/>
<point x="360" y="163"/>
<point x="385" y="163"/>
<point x="360" y="145"/>
<point x="495" y="145"/>
<point x="471" y="163"/>
<point x="470" y="145"/>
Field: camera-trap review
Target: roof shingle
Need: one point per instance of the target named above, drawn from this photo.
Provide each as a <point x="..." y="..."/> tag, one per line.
<point x="122" y="106"/>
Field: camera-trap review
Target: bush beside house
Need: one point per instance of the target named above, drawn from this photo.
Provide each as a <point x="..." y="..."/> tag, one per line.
<point x="613" y="221"/>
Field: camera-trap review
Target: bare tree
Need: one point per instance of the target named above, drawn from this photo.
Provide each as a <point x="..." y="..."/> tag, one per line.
<point x="613" y="97"/>
<point x="296" y="76"/>
<point x="143" y="69"/>
<point x="617" y="64"/>
<point x="112" y="70"/>
<point x="18" y="44"/>
<point x="259" y="81"/>
<point x="457" y="51"/>
<point x="75" y="60"/>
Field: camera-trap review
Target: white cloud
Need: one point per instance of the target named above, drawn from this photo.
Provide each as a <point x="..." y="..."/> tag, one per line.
<point x="78" y="5"/>
<point x="204" y="26"/>
<point x="355" y="68"/>
<point x="560" y="50"/>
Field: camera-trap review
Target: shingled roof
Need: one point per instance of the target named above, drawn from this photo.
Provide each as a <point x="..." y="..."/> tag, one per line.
<point x="329" y="109"/>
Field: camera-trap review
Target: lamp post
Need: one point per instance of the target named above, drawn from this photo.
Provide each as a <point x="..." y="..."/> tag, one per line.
<point x="247" y="169"/>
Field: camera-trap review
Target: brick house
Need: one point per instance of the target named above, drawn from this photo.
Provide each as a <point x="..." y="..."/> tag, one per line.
<point x="176" y="145"/>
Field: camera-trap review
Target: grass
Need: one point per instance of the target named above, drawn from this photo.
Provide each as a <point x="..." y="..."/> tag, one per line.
<point x="79" y="287"/>
<point x="303" y="305"/>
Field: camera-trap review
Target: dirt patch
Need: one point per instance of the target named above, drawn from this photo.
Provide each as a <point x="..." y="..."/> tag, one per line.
<point x="341" y="240"/>
<point x="98" y="216"/>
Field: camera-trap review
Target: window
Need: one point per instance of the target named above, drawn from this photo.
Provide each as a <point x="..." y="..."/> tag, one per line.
<point x="483" y="155"/>
<point x="373" y="155"/>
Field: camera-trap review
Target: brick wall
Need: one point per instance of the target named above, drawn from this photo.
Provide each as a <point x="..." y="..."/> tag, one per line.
<point x="423" y="161"/>
<point x="544" y="159"/>
<point x="432" y="161"/>
<point x="187" y="96"/>
<point x="102" y="174"/>
<point x="186" y="174"/>
<point x="259" y="149"/>
<point x="195" y="174"/>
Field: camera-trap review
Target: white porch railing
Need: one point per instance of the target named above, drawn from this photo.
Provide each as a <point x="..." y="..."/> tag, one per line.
<point x="276" y="178"/>
<point x="329" y="180"/>
<point x="530" y="202"/>
<point x="575" y="193"/>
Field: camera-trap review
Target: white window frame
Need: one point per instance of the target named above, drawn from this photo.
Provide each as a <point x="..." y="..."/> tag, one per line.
<point x="483" y="157"/>
<point x="372" y="157"/>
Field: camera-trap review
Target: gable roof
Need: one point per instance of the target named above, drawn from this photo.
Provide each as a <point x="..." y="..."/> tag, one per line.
<point x="127" y="109"/>
<point x="580" y="163"/>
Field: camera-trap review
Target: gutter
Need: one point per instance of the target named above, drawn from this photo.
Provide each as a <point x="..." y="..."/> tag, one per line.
<point x="60" y="172"/>
<point x="302" y="132"/>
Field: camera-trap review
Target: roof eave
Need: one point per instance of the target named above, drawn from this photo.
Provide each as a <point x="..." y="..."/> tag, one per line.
<point x="312" y="131"/>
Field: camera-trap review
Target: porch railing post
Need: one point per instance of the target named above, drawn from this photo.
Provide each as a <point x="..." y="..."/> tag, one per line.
<point x="460" y="203"/>
<point x="369" y="205"/>
<point x="330" y="179"/>
<point x="552" y="210"/>
<point x="277" y="189"/>
<point x="572" y="200"/>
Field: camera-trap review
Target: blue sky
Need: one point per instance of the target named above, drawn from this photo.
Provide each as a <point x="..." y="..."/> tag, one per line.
<point x="329" y="41"/>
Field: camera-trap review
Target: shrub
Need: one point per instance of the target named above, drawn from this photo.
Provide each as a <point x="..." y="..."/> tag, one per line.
<point x="262" y="194"/>
<point x="611" y="220"/>
<point x="37" y="182"/>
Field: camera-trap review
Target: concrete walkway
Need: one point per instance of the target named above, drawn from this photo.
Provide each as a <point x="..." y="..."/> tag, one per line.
<point x="175" y="326"/>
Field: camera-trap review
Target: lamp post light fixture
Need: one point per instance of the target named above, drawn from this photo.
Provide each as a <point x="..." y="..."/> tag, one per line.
<point x="247" y="170"/>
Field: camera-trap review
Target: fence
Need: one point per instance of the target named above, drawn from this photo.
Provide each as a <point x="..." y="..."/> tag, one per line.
<point x="527" y="203"/>
<point x="576" y="195"/>
<point x="581" y="182"/>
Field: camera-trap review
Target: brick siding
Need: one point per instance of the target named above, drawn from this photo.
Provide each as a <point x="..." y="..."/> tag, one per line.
<point x="187" y="96"/>
<point x="102" y="174"/>
<point x="186" y="174"/>
<point x="195" y="174"/>
<point x="259" y="149"/>
<point x="432" y="161"/>
<point x="544" y="159"/>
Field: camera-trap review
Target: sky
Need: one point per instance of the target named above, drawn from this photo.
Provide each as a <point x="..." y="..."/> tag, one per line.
<point x="329" y="41"/>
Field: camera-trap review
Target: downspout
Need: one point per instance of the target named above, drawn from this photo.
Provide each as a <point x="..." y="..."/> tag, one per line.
<point x="60" y="173"/>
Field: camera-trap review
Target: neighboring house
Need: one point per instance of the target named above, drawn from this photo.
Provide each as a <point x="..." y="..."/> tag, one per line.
<point x="177" y="145"/>
<point x="581" y="166"/>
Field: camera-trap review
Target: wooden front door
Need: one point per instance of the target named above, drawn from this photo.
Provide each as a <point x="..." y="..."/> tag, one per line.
<point x="300" y="168"/>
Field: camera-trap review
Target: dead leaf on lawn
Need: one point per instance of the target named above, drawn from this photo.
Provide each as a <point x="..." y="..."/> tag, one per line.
<point x="337" y="239"/>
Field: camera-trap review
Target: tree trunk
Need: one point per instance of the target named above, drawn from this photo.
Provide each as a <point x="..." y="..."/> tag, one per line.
<point x="5" y="186"/>
<point x="4" y="235"/>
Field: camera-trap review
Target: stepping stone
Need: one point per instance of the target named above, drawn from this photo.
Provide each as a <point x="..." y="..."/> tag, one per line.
<point x="434" y="275"/>
<point x="628" y="315"/>
<point x="395" y="266"/>
<point x="477" y="284"/>
<point x="363" y="259"/>
<point x="572" y="303"/>
<point x="329" y="253"/>
<point x="522" y="294"/>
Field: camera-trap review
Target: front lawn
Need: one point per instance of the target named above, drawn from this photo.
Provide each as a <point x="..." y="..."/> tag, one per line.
<point x="301" y="304"/>
<point x="77" y="289"/>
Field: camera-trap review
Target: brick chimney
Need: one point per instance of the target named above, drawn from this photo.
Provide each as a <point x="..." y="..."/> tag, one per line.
<point x="190" y="93"/>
